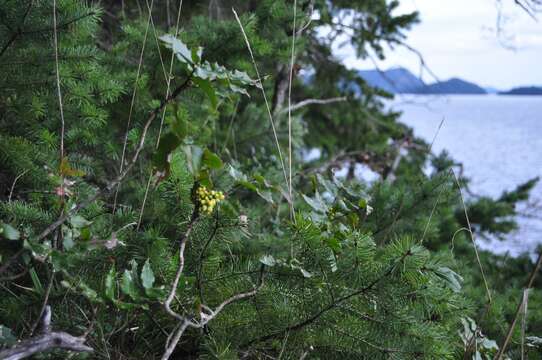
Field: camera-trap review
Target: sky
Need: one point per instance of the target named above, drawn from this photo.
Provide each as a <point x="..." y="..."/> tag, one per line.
<point x="458" y="39"/>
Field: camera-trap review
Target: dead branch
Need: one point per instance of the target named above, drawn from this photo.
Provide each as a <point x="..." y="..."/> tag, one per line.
<point x="46" y="341"/>
<point x="206" y="314"/>
<point x="314" y="101"/>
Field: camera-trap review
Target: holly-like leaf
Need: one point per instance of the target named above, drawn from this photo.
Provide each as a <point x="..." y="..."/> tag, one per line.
<point x="6" y="337"/>
<point x="147" y="276"/>
<point x="67" y="239"/>
<point x="266" y="195"/>
<point x="452" y="279"/>
<point x="78" y="221"/>
<point x="193" y="158"/>
<point x="196" y="54"/>
<point x="111" y="284"/>
<point x="9" y="232"/>
<point x="268" y="260"/>
<point x="211" y="160"/>
<point x="178" y="47"/>
<point x="168" y="143"/>
<point x="316" y="203"/>
<point x="208" y="88"/>
<point x="128" y="285"/>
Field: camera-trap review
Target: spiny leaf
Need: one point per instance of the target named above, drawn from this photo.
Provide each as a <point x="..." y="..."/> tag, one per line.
<point x="147" y="275"/>
<point x="178" y="47"/>
<point x="9" y="232"/>
<point x="211" y="160"/>
<point x="111" y="284"/>
<point x="209" y="90"/>
<point x="128" y="285"/>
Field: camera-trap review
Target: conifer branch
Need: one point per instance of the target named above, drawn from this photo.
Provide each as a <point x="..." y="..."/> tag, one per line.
<point x="308" y="321"/>
<point x="112" y="184"/>
<point x="169" y="77"/>
<point x="132" y="102"/>
<point x="19" y="30"/>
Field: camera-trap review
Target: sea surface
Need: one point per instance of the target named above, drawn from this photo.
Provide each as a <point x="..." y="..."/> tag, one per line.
<point x="499" y="141"/>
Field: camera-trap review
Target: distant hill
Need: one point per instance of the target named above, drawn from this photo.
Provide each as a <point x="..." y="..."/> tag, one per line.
<point x="452" y="86"/>
<point x="395" y="80"/>
<point x="524" y="90"/>
<point x="492" y="90"/>
<point x="402" y="81"/>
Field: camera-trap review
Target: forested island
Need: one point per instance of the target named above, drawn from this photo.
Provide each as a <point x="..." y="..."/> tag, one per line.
<point x="524" y="90"/>
<point x="156" y="201"/>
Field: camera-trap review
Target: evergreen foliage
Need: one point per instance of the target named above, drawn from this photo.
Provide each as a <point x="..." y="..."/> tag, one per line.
<point x="119" y="231"/>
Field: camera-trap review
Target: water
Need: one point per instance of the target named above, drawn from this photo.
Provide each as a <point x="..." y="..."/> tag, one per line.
<point x="499" y="141"/>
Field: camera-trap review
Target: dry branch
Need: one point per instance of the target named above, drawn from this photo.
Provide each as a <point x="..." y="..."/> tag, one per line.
<point x="46" y="341"/>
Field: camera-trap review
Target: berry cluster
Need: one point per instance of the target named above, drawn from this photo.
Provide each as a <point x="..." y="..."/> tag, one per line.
<point x="208" y="199"/>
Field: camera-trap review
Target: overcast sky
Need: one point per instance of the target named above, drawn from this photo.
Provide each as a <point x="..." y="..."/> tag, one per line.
<point x="458" y="39"/>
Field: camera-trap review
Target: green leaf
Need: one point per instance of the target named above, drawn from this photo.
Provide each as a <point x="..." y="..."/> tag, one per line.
<point x="178" y="47"/>
<point x="78" y="221"/>
<point x="125" y="305"/>
<point x="89" y="293"/>
<point x="147" y="276"/>
<point x="7" y="338"/>
<point x="268" y="260"/>
<point x="204" y="178"/>
<point x="208" y="88"/>
<point x="128" y="285"/>
<point x="333" y="243"/>
<point x="452" y="279"/>
<point x="266" y="195"/>
<point x="156" y="293"/>
<point x="236" y="174"/>
<point x="247" y="185"/>
<point x="193" y="158"/>
<point x="316" y="203"/>
<point x="9" y="232"/>
<point x="305" y="273"/>
<point x="168" y="143"/>
<point x="111" y="284"/>
<point x="211" y="160"/>
<point x="67" y="239"/>
<point x="36" y="281"/>
<point x="196" y="54"/>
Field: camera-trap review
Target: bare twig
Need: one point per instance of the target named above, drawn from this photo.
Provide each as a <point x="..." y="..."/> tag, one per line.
<point x="44" y="306"/>
<point x="182" y="245"/>
<point x="207" y="314"/>
<point x="46" y="341"/>
<point x="307" y="102"/>
<point x="15" y="182"/>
